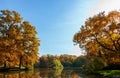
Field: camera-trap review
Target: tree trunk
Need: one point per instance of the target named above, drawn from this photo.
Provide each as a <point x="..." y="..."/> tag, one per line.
<point x="5" y="65"/>
<point x="26" y="68"/>
<point x="20" y="64"/>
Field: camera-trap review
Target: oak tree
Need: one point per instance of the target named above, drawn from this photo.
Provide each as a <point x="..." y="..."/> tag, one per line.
<point x="18" y="41"/>
<point x="100" y="36"/>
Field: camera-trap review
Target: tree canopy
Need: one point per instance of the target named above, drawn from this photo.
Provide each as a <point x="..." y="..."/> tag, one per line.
<point x="18" y="41"/>
<point x="64" y="60"/>
<point x="50" y="61"/>
<point x="100" y="36"/>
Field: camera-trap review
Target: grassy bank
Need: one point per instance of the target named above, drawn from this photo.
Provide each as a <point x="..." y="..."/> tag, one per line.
<point x="15" y="68"/>
<point x="110" y="73"/>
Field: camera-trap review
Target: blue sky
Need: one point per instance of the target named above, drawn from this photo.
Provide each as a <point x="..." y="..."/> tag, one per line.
<point x="56" y="21"/>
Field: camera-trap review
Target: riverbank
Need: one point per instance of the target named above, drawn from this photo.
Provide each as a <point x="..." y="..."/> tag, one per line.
<point x="109" y="73"/>
<point x="16" y="68"/>
<point x="72" y="68"/>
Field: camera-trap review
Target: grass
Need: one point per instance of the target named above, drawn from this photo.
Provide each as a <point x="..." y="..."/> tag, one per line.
<point x="15" y="68"/>
<point x="110" y="73"/>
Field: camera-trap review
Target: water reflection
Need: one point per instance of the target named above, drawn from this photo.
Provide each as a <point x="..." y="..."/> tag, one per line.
<point x="45" y="73"/>
<point x="28" y="74"/>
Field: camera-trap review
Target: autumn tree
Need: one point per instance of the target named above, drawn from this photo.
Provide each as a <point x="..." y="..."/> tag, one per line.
<point x="80" y="61"/>
<point x="100" y="36"/>
<point x="50" y="61"/>
<point x="29" y="44"/>
<point x="46" y="61"/>
<point x="43" y="61"/>
<point x="18" y="41"/>
<point x="67" y="60"/>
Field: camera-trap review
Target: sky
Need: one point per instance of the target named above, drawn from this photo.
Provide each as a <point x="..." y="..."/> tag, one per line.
<point x="57" y="21"/>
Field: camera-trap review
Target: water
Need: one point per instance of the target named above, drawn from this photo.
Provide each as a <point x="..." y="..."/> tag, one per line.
<point x="46" y="73"/>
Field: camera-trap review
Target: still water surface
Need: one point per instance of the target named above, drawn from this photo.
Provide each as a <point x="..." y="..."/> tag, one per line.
<point x="45" y="73"/>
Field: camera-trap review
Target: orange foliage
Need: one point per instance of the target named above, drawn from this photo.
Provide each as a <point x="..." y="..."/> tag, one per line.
<point x="101" y="33"/>
<point x="17" y="39"/>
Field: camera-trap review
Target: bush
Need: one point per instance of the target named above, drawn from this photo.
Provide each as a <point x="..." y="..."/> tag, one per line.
<point x="57" y="64"/>
<point x="97" y="64"/>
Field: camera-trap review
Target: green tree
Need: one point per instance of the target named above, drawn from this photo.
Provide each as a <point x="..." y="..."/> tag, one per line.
<point x="80" y="61"/>
<point x="67" y="60"/>
<point x="50" y="61"/>
<point x="43" y="61"/>
<point x="97" y="64"/>
<point x="57" y="64"/>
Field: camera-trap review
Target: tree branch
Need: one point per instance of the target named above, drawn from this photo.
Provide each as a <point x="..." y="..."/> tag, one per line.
<point x="105" y="47"/>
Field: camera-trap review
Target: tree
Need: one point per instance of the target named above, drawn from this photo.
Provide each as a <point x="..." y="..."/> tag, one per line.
<point x="101" y="35"/>
<point x="43" y="61"/>
<point x="46" y="61"/>
<point x="67" y="60"/>
<point x="80" y="61"/>
<point x="30" y="44"/>
<point x="18" y="41"/>
<point x="50" y="61"/>
<point x="57" y="64"/>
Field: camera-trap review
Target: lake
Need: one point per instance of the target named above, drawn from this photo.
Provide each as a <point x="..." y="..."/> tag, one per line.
<point x="46" y="73"/>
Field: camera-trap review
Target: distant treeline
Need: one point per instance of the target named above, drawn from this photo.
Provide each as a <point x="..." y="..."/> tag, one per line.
<point x="65" y="60"/>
